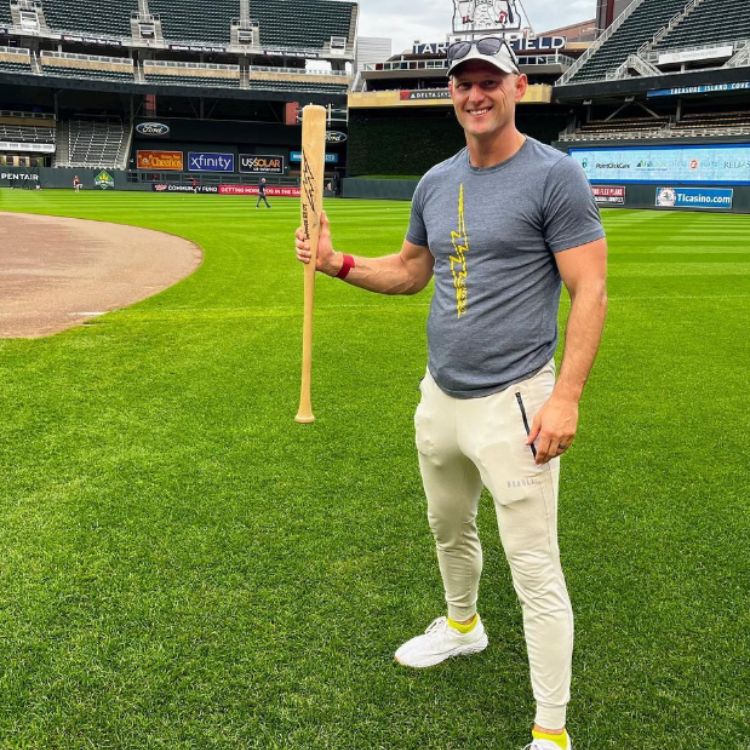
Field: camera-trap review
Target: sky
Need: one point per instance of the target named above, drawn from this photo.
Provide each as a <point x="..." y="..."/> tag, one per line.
<point x="430" y="20"/>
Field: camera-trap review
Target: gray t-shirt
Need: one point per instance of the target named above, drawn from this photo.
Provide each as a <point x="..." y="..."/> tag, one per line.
<point x="493" y="233"/>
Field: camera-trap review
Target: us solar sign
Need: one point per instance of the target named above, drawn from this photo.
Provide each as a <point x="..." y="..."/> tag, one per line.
<point x="261" y="164"/>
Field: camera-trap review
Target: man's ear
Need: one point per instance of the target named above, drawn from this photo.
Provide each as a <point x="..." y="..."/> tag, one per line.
<point x="522" y="84"/>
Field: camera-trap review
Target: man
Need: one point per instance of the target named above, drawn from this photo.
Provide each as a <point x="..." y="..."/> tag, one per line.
<point x="499" y="226"/>
<point x="262" y="193"/>
<point x="76" y="183"/>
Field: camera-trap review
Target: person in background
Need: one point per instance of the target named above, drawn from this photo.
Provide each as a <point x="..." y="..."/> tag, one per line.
<point x="262" y="193"/>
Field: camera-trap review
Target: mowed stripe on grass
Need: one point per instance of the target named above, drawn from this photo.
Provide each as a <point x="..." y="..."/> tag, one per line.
<point x="186" y="567"/>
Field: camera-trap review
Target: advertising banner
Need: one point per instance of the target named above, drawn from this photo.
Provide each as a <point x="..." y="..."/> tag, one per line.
<point x="271" y="190"/>
<point x="261" y="164"/>
<point x="210" y="161"/>
<point x="411" y="95"/>
<point x="160" y="161"/>
<point x="16" y="177"/>
<point x="705" y="89"/>
<point x="296" y="157"/>
<point x="609" y="195"/>
<point x="723" y="165"/>
<point x="680" y="197"/>
<point x="104" y="180"/>
<point x="152" y="129"/>
<point x="162" y="187"/>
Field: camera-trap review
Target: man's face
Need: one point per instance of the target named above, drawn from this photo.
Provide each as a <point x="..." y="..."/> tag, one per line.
<point x="485" y="98"/>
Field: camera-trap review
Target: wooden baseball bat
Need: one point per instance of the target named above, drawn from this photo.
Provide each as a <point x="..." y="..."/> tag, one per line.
<point x="311" y="205"/>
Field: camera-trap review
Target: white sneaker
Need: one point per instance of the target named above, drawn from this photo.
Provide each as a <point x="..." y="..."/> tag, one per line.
<point x="439" y="642"/>
<point x="547" y="745"/>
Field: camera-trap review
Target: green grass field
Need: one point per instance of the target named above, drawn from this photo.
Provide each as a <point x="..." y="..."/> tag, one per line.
<point x="185" y="567"/>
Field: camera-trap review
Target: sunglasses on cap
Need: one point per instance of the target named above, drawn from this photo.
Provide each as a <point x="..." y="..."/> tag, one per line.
<point x="489" y="46"/>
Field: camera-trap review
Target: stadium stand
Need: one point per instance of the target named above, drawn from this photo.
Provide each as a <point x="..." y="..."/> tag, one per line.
<point x="26" y="133"/>
<point x="195" y="74"/>
<point x="192" y="20"/>
<point x="307" y="23"/>
<point x="15" y="60"/>
<point x="26" y="138"/>
<point x="635" y="27"/>
<point x="71" y="65"/>
<point x="108" y="18"/>
<point x="709" y="22"/>
<point x="321" y="88"/>
<point x="112" y="68"/>
<point x="97" y="143"/>
<point x="27" y="127"/>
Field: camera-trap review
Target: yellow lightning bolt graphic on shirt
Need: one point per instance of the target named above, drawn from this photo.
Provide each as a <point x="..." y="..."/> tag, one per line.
<point x="459" y="265"/>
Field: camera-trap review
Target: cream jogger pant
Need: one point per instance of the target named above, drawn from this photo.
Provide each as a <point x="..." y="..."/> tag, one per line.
<point x="464" y="444"/>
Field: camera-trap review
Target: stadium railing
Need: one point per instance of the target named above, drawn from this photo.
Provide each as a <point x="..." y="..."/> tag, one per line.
<point x="524" y="61"/>
<point x="87" y="62"/>
<point x="200" y="74"/>
<point x="15" y="60"/>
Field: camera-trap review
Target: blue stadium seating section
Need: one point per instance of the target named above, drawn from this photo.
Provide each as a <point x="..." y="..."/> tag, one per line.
<point x="638" y="28"/>
<point x="711" y="21"/>
<point x="298" y="24"/>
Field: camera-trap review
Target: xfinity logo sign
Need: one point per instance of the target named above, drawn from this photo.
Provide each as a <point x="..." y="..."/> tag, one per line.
<point x="152" y="129"/>
<point x="205" y="161"/>
<point x="335" y="136"/>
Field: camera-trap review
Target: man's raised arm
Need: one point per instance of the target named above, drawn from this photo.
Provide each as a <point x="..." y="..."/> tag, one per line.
<point x="405" y="272"/>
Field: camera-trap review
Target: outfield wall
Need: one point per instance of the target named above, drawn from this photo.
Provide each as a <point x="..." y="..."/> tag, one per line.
<point x="115" y="179"/>
<point x="666" y="196"/>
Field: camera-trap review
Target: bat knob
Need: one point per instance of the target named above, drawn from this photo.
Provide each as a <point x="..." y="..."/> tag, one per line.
<point x="304" y="418"/>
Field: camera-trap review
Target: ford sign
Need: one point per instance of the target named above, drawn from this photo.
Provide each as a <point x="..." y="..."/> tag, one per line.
<point x="153" y="129"/>
<point x="335" y="136"/>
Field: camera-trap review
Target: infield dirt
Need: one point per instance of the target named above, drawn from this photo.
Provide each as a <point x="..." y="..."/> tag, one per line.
<point x="56" y="273"/>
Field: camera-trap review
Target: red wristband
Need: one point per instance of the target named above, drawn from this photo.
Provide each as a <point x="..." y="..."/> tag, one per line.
<point x="346" y="266"/>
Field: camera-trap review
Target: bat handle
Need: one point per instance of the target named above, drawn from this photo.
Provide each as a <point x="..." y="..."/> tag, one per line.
<point x="304" y="413"/>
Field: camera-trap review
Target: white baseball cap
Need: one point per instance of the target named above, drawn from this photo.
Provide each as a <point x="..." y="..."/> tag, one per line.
<point x="493" y="50"/>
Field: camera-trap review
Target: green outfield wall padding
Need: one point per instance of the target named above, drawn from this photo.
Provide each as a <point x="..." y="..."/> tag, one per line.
<point x="361" y="187"/>
<point x="401" y="142"/>
<point x="398" y="142"/>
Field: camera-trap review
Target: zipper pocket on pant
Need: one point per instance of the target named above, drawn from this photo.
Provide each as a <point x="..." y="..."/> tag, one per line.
<point x="525" y="420"/>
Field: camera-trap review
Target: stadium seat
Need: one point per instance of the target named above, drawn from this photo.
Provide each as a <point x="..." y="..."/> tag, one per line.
<point x="639" y="27"/>
<point x="90" y="73"/>
<point x="711" y="21"/>
<point x="308" y="24"/>
<point x="95" y="143"/>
